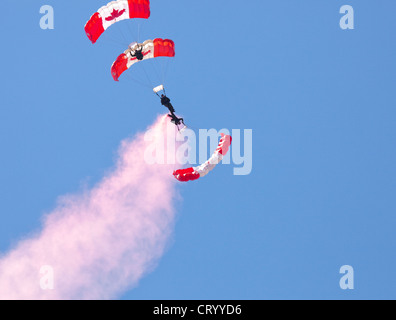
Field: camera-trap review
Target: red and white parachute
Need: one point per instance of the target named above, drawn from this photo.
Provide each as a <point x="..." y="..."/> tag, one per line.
<point x="150" y="49"/>
<point x="195" y="173"/>
<point x="113" y="12"/>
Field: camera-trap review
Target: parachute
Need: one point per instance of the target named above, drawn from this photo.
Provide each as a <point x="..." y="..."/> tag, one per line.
<point x="113" y="12"/>
<point x="194" y="173"/>
<point x="149" y="49"/>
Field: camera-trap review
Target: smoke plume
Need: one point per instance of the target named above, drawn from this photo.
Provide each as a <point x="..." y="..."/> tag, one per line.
<point x="97" y="244"/>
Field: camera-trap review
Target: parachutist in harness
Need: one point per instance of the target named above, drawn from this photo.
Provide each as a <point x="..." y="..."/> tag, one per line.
<point x="165" y="101"/>
<point x="138" y="53"/>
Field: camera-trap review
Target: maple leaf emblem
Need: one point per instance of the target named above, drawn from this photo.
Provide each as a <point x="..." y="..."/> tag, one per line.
<point x="115" y="14"/>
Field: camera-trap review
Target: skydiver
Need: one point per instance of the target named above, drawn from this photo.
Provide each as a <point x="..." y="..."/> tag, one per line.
<point x="165" y="101"/>
<point x="138" y="53"/>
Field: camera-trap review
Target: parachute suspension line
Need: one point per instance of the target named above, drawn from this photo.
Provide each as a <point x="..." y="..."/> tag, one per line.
<point x="165" y="70"/>
<point x="152" y="63"/>
<point x="113" y="40"/>
<point x="137" y="81"/>
<point x="123" y="36"/>
<point x="148" y="82"/>
<point x="133" y="34"/>
<point x="119" y="29"/>
<point x="129" y="30"/>
<point x="147" y="76"/>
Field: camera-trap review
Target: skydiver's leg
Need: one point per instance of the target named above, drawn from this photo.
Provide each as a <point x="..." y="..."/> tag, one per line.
<point x="173" y="118"/>
<point x="170" y="107"/>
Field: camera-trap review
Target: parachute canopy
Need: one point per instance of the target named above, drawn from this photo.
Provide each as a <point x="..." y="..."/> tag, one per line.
<point x="195" y="173"/>
<point x="150" y="49"/>
<point x="113" y="12"/>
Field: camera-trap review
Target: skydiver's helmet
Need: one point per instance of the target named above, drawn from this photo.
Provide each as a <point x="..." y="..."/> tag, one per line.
<point x="136" y="50"/>
<point x="133" y="46"/>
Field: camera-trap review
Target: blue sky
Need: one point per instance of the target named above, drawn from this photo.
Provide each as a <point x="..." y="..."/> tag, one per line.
<point x="321" y="103"/>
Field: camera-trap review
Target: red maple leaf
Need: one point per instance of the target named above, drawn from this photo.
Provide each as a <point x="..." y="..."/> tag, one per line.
<point x="115" y="14"/>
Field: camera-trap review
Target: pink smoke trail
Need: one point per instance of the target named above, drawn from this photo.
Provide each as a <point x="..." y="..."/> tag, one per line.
<point x="100" y="243"/>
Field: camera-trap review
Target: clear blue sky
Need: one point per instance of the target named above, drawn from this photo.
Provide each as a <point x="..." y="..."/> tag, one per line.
<point x="320" y="100"/>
